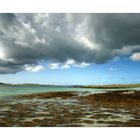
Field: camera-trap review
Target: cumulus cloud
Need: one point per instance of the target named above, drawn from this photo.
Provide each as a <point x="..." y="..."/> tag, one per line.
<point x="65" y="66"/>
<point x="135" y="57"/>
<point x="26" y="39"/>
<point x="34" y="68"/>
<point x="71" y="63"/>
<point x="82" y="65"/>
<point x="68" y="64"/>
<point x="53" y="66"/>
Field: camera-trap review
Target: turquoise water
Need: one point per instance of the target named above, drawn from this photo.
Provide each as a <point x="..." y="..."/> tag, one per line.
<point x="14" y="90"/>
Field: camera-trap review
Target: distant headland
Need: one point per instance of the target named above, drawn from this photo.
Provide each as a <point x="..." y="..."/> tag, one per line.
<point x="81" y="86"/>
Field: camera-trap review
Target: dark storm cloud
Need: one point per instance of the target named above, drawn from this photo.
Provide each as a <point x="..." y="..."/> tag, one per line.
<point x="26" y="39"/>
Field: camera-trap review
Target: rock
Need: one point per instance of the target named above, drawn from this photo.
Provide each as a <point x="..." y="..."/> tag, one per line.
<point x="128" y="93"/>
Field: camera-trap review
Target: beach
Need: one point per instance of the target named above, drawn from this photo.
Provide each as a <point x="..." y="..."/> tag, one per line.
<point x="119" y="108"/>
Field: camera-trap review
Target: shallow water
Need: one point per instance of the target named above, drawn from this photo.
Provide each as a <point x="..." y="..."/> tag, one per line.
<point x="17" y="90"/>
<point x="58" y="112"/>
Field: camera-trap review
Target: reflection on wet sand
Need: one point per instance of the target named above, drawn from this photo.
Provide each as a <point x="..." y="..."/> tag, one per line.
<point x="55" y="109"/>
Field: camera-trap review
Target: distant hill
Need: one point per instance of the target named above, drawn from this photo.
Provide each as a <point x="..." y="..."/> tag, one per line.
<point x="76" y="86"/>
<point x="113" y="86"/>
<point x="5" y="84"/>
<point x="2" y="83"/>
<point x="32" y="85"/>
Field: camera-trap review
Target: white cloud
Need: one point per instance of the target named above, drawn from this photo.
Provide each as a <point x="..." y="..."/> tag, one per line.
<point x="70" y="62"/>
<point x="54" y="66"/>
<point x="21" y="43"/>
<point x="65" y="66"/>
<point x="86" y="42"/>
<point x="2" y="53"/>
<point x="82" y="65"/>
<point x="28" y="27"/>
<point x="135" y="57"/>
<point x="34" y="68"/>
<point x="37" y="40"/>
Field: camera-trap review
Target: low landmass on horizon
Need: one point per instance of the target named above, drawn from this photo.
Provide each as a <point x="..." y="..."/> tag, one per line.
<point x="82" y="86"/>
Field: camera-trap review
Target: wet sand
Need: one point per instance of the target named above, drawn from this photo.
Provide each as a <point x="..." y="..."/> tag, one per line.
<point x="71" y="109"/>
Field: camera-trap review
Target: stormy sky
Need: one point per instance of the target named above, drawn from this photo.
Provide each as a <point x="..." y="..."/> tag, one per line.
<point x="62" y="41"/>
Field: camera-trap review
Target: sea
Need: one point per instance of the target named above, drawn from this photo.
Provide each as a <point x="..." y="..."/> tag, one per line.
<point x="17" y="90"/>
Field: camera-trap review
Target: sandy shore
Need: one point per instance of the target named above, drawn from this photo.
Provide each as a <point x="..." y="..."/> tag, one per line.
<point x="66" y="109"/>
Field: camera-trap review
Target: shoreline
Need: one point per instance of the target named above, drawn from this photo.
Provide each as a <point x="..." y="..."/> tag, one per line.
<point x="116" y="97"/>
<point x="110" y="96"/>
<point x="65" y="109"/>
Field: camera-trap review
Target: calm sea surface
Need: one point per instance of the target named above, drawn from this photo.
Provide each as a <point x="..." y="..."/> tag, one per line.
<point x="14" y="90"/>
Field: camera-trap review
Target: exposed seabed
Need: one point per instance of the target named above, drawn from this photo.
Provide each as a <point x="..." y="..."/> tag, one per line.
<point x="71" y="109"/>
